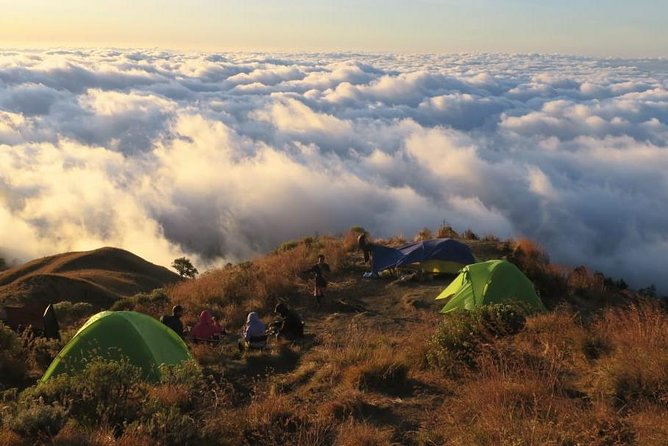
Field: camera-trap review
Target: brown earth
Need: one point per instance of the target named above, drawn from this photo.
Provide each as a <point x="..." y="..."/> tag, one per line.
<point x="99" y="277"/>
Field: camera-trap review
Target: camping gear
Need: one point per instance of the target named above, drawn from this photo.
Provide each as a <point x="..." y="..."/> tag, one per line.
<point x="491" y="282"/>
<point x="443" y="255"/>
<point x="114" y="335"/>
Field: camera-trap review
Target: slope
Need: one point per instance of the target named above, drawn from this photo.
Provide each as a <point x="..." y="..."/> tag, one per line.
<point x="99" y="277"/>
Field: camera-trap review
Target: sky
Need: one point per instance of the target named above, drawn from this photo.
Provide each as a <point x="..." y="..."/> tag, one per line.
<point x="579" y="27"/>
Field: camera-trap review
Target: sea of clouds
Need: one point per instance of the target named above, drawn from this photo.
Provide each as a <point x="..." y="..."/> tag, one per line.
<point x="222" y="156"/>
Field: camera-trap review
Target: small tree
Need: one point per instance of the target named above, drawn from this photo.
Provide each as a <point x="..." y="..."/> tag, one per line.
<point x="446" y="231"/>
<point x="185" y="268"/>
<point x="3" y="264"/>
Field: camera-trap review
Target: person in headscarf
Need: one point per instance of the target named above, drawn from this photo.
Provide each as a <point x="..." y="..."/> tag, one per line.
<point x="206" y="328"/>
<point x="254" y="333"/>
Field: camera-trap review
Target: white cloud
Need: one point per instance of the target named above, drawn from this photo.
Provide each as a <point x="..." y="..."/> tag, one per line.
<point x="221" y="156"/>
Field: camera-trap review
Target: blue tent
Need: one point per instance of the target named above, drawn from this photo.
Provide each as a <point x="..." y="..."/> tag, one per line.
<point x="442" y="255"/>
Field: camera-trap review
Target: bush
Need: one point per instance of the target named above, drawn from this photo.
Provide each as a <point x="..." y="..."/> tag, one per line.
<point x="384" y="375"/>
<point x="169" y="425"/>
<point x="469" y="235"/>
<point x="13" y="366"/>
<point x="446" y="231"/>
<point x="350" y="238"/>
<point x="457" y="341"/>
<point x="106" y="391"/>
<point x="41" y="352"/>
<point x="37" y="420"/>
<point x="423" y="234"/>
<point x="150" y="303"/>
<point x="68" y="313"/>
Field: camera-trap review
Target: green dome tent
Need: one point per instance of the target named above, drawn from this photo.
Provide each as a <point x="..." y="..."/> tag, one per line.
<point x="144" y="341"/>
<point x="491" y="282"/>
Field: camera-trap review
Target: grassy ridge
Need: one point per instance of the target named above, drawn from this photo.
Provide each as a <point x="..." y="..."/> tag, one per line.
<point x="380" y="365"/>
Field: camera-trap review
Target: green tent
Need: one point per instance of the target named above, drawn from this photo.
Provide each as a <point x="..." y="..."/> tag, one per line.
<point x="491" y="282"/>
<point x="144" y="341"/>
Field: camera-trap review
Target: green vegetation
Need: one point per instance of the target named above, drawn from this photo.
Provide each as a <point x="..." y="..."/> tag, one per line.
<point x="185" y="268"/>
<point x="379" y="364"/>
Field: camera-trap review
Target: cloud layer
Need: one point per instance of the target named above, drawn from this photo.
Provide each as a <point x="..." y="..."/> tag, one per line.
<point x="221" y="156"/>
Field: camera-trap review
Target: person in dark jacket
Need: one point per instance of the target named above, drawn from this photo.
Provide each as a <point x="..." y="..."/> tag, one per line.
<point x="174" y="321"/>
<point x="319" y="270"/>
<point x="364" y="246"/>
<point x="289" y="326"/>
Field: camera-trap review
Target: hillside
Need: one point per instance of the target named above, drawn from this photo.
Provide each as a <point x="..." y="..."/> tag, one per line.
<point x="378" y="366"/>
<point x="99" y="277"/>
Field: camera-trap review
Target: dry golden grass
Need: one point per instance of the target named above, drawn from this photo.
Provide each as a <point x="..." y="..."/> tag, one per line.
<point x="235" y="290"/>
<point x="363" y="378"/>
<point x="9" y="438"/>
<point x="635" y="373"/>
<point x="362" y="434"/>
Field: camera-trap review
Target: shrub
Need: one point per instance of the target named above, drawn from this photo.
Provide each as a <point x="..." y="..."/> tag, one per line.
<point x="446" y="231"/>
<point x="13" y="366"/>
<point x="150" y="303"/>
<point x="37" y="420"/>
<point x="469" y="235"/>
<point x="68" y="313"/>
<point x="287" y="246"/>
<point x="168" y="425"/>
<point x="458" y="339"/>
<point x="385" y="375"/>
<point x="423" y="234"/>
<point x="106" y="391"/>
<point x="350" y="238"/>
<point x="41" y="352"/>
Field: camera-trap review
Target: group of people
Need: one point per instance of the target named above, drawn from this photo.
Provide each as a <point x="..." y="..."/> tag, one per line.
<point x="206" y="329"/>
<point x="288" y="325"/>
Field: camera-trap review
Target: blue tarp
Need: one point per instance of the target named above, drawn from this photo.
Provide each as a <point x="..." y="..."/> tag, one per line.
<point x="436" y="249"/>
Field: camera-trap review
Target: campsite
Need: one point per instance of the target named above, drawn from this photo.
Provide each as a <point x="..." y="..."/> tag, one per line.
<point x="382" y="361"/>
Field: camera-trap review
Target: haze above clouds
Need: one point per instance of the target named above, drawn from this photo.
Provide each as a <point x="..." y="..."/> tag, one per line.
<point x="222" y="156"/>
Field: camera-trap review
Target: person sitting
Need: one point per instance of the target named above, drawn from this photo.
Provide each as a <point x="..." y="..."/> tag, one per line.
<point x="290" y="326"/>
<point x="174" y="321"/>
<point x="206" y="329"/>
<point x="254" y="335"/>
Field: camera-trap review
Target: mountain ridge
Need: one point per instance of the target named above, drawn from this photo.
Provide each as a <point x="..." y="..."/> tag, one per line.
<point x="100" y="277"/>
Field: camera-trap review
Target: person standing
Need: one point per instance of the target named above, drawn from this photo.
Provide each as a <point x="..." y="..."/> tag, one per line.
<point x="364" y="246"/>
<point x="319" y="270"/>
